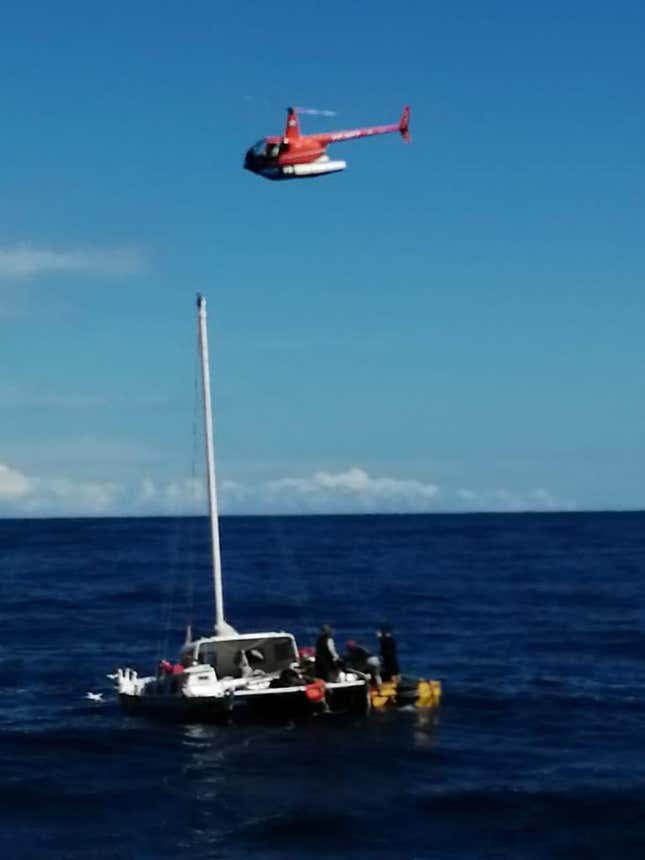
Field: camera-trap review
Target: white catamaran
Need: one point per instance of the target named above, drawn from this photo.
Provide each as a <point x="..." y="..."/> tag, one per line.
<point x="232" y="675"/>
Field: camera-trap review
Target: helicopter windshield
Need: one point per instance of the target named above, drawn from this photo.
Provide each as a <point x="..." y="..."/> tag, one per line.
<point x="266" y="149"/>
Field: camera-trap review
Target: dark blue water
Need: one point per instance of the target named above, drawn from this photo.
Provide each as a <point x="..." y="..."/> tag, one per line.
<point x="535" y="624"/>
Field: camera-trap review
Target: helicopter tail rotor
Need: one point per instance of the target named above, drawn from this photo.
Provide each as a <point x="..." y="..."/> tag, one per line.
<point x="404" y="124"/>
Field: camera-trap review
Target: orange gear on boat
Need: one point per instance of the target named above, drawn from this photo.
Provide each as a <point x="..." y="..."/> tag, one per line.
<point x="315" y="691"/>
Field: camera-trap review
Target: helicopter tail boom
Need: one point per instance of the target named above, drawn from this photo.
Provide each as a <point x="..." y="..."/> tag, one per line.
<point x="402" y="126"/>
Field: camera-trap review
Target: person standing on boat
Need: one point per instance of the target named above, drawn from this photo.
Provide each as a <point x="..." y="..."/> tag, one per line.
<point x="242" y="667"/>
<point x="327" y="659"/>
<point x="389" y="660"/>
<point x="359" y="658"/>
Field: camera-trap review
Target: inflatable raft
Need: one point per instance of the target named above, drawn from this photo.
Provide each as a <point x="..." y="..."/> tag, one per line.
<point x="405" y="691"/>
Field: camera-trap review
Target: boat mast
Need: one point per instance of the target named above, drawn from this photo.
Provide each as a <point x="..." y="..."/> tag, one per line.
<point x="220" y="624"/>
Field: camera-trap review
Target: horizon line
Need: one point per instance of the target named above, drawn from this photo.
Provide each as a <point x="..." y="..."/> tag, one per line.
<point x="309" y="514"/>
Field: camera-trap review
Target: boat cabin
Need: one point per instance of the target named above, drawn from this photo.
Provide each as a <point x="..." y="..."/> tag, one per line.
<point x="244" y="654"/>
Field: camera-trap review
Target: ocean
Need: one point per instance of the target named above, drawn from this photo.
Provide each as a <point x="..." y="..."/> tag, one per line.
<point x="535" y="624"/>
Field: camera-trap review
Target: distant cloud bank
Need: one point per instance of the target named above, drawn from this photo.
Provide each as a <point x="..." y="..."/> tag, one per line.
<point x="26" y="260"/>
<point x="537" y="499"/>
<point x="23" y="495"/>
<point x="350" y="491"/>
<point x="353" y="490"/>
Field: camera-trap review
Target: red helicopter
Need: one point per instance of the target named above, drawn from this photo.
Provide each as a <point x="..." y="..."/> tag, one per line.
<point x="302" y="156"/>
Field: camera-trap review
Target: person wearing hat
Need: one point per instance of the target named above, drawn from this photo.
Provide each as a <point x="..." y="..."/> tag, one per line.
<point x="327" y="659"/>
<point x="389" y="660"/>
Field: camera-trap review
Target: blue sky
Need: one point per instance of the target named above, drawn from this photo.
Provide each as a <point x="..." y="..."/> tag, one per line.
<point x="454" y="324"/>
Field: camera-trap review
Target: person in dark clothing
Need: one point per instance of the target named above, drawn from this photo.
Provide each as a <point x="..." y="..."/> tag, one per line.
<point x="355" y="656"/>
<point x="389" y="659"/>
<point x="327" y="660"/>
<point x="359" y="658"/>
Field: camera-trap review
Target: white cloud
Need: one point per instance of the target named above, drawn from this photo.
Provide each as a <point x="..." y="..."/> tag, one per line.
<point x="353" y="489"/>
<point x="544" y="499"/>
<point x="507" y="501"/>
<point x="181" y="496"/>
<point x="184" y="496"/>
<point x="74" y="497"/>
<point x="24" y="494"/>
<point x="25" y="260"/>
<point x="467" y="495"/>
<point x="13" y="484"/>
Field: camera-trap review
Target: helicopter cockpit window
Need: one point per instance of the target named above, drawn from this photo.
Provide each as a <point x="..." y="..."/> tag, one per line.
<point x="265" y="149"/>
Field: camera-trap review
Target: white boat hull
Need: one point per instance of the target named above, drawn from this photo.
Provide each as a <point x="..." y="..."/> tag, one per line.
<point x="160" y="699"/>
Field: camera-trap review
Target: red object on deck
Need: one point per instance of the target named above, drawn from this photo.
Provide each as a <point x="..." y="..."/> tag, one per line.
<point x="315" y="691"/>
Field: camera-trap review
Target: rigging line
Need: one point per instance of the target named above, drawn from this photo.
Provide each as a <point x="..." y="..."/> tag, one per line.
<point x="175" y="534"/>
<point x="196" y="399"/>
<point x="181" y="539"/>
<point x="171" y="529"/>
<point x="171" y="588"/>
<point x="192" y="532"/>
